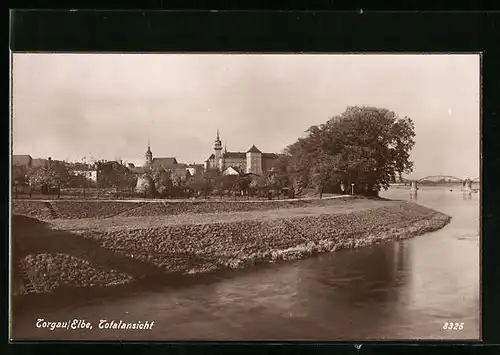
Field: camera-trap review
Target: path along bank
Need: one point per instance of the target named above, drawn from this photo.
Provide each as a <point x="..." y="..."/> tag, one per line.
<point x="53" y="255"/>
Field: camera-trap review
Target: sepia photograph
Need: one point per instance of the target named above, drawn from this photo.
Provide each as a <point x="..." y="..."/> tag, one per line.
<point x="245" y="197"/>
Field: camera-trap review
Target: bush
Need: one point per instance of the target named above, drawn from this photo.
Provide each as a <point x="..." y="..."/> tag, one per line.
<point x="50" y="272"/>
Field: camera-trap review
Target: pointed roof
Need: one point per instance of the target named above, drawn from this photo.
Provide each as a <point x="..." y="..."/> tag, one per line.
<point x="253" y="149"/>
<point x="218" y="141"/>
<point x="231" y="170"/>
<point x="236" y="168"/>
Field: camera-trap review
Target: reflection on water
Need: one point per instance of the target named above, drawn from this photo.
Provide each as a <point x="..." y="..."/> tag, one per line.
<point x="445" y="265"/>
<point x="403" y="290"/>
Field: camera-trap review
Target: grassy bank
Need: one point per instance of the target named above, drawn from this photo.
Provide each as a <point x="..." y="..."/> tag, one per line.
<point x="65" y="209"/>
<point x="90" y="253"/>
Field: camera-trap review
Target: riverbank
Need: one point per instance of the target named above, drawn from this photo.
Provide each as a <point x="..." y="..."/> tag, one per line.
<point x="46" y="210"/>
<point x="65" y="255"/>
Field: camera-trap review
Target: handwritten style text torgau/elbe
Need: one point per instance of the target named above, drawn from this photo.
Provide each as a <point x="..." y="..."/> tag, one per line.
<point x="76" y="324"/>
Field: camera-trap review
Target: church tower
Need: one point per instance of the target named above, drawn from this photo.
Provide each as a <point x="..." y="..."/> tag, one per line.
<point x="149" y="155"/>
<point x="218" y="151"/>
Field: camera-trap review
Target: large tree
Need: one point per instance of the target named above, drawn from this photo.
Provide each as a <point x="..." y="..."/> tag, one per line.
<point x="80" y="180"/>
<point x="199" y="185"/>
<point x="114" y="174"/>
<point x="20" y="174"/>
<point x="225" y="184"/>
<point x="243" y="183"/>
<point x="108" y="173"/>
<point x="366" y="146"/>
<point x="326" y="172"/>
<point x="156" y="181"/>
<point x="53" y="174"/>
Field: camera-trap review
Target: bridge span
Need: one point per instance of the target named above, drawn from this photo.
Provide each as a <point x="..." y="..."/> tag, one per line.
<point x="443" y="179"/>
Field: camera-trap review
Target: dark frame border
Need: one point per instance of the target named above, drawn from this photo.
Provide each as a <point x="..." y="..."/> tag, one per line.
<point x="297" y="31"/>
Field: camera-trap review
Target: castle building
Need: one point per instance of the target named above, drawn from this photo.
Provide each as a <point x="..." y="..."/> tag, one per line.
<point x="253" y="161"/>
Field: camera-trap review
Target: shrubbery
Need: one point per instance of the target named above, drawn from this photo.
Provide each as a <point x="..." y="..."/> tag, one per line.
<point x="50" y="272"/>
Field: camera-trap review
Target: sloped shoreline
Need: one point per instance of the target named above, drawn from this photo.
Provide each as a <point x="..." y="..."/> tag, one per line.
<point x="62" y="262"/>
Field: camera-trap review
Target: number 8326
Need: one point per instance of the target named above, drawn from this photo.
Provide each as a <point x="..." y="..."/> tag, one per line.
<point x="453" y="326"/>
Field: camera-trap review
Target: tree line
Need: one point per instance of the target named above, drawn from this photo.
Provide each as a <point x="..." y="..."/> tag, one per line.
<point x="160" y="182"/>
<point x="363" y="149"/>
<point x="52" y="176"/>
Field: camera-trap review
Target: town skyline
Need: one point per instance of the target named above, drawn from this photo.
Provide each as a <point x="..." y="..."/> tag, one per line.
<point x="117" y="103"/>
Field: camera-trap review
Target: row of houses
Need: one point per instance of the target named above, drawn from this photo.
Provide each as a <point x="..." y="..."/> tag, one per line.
<point x="76" y="168"/>
<point x="183" y="171"/>
<point x="252" y="162"/>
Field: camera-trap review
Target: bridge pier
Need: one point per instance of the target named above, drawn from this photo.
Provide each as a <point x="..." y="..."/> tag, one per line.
<point x="467" y="187"/>
<point x="413" y="190"/>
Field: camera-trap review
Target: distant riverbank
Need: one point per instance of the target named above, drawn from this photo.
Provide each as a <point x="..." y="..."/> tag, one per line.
<point x="91" y="253"/>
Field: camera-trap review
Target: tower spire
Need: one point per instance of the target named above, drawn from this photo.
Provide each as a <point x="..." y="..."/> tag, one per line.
<point x="217" y="142"/>
<point x="218" y="151"/>
<point x="149" y="154"/>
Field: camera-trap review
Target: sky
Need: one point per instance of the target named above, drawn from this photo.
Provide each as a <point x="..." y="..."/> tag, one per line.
<point x="107" y="106"/>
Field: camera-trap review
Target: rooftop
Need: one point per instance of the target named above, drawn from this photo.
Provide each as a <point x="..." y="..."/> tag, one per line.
<point x="253" y="149"/>
<point x="166" y="162"/>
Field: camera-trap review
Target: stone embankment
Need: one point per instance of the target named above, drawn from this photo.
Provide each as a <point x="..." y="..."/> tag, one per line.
<point x="92" y="252"/>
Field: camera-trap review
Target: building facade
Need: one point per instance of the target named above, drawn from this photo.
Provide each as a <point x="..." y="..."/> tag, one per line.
<point x="170" y="164"/>
<point x="253" y="161"/>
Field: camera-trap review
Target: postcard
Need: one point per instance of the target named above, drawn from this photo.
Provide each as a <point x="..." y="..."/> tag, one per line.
<point x="239" y="197"/>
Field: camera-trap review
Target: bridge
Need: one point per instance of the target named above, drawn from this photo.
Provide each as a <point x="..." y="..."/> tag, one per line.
<point x="442" y="179"/>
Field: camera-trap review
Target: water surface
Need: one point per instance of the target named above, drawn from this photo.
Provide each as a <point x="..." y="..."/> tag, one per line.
<point x="402" y="290"/>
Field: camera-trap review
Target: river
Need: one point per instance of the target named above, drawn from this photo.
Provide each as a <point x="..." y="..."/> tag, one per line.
<point x="394" y="291"/>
